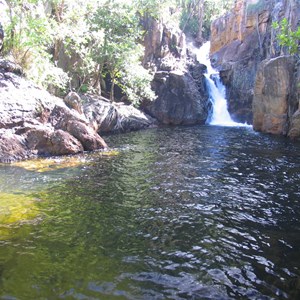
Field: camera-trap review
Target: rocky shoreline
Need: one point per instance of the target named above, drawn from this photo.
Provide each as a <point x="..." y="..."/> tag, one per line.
<point x="35" y="123"/>
<point x="263" y="88"/>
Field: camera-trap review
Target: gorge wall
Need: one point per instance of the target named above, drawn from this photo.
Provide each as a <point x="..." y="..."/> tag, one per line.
<point x="178" y="82"/>
<point x="240" y="41"/>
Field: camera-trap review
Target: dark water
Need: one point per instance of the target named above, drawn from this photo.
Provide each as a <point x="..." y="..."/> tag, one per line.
<point x="180" y="213"/>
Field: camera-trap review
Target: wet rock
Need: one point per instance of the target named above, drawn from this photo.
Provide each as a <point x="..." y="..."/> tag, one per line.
<point x="12" y="147"/>
<point x="294" y="107"/>
<point x="294" y="132"/>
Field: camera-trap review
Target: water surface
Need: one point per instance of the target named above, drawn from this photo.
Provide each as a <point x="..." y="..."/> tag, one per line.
<point x="180" y="213"/>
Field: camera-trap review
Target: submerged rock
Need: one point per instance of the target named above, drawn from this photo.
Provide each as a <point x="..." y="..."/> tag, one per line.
<point x="33" y="122"/>
<point x="17" y="208"/>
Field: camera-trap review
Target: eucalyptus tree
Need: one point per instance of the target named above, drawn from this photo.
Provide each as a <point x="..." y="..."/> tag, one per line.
<point x="119" y="55"/>
<point x="74" y="41"/>
<point x="99" y="38"/>
<point x="197" y="15"/>
<point x="28" y="40"/>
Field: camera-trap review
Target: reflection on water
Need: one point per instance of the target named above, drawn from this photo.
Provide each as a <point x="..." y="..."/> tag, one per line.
<point x="180" y="213"/>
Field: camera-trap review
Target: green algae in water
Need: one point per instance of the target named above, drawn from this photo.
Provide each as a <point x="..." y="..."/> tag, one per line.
<point x="16" y="209"/>
<point x="41" y="165"/>
<point x="50" y="164"/>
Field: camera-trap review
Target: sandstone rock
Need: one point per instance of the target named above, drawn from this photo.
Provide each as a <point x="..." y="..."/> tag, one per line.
<point x="294" y="106"/>
<point x="89" y="139"/>
<point x="243" y="38"/>
<point x="34" y="122"/>
<point x="163" y="44"/>
<point x="273" y="87"/>
<point x="179" y="100"/>
<point x="73" y="101"/>
<point x="12" y="147"/>
<point x="62" y="118"/>
<point x="181" y="91"/>
<point x="113" y="117"/>
<point x="63" y="143"/>
<point x="294" y="132"/>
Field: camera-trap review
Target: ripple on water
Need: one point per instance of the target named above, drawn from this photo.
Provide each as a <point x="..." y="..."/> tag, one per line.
<point x="180" y="213"/>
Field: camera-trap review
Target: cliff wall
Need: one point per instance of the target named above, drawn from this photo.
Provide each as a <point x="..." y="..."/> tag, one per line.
<point x="178" y="82"/>
<point x="241" y="40"/>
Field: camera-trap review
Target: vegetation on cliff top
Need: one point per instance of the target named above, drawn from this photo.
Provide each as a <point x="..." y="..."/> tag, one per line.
<point x="94" y="45"/>
<point x="287" y="37"/>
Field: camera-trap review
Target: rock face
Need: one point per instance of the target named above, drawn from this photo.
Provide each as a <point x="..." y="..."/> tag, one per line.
<point x="294" y="113"/>
<point x="179" y="99"/>
<point x="241" y="40"/>
<point x="271" y="104"/>
<point x="178" y="82"/>
<point x="114" y="117"/>
<point x="32" y="122"/>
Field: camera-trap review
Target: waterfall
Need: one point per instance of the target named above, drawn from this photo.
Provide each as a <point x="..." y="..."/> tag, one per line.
<point x="216" y="90"/>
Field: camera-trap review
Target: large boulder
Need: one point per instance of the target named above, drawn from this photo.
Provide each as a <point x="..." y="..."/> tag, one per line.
<point x="294" y="132"/>
<point x="179" y="99"/>
<point x="178" y="82"/>
<point x="33" y="122"/>
<point x="12" y="146"/>
<point x="294" y="107"/>
<point x="273" y="88"/>
<point x="106" y="116"/>
<point x="241" y="40"/>
<point x="276" y="103"/>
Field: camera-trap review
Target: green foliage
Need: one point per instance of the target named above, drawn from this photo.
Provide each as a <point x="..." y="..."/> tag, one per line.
<point x="84" y="88"/>
<point x="79" y="43"/>
<point x="120" y="51"/>
<point x="253" y="8"/>
<point x="87" y="39"/>
<point x="74" y="39"/>
<point x="286" y="37"/>
<point x="135" y="80"/>
<point x="189" y="23"/>
<point x="158" y="9"/>
<point x="189" y="19"/>
<point x="28" y="38"/>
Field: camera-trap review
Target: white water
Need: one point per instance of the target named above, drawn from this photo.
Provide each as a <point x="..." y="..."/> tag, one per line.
<point x="216" y="90"/>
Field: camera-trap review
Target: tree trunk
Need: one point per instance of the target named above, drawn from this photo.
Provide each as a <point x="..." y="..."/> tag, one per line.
<point x="112" y="92"/>
<point x="97" y="79"/>
<point x="200" y="21"/>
